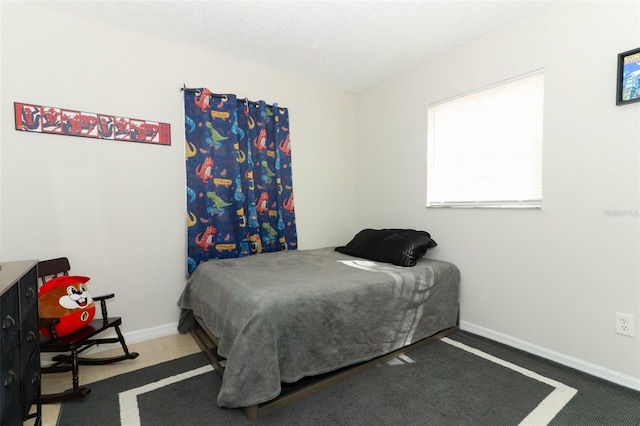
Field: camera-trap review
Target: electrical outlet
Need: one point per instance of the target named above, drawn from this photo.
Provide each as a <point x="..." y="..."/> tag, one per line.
<point x="624" y="324"/>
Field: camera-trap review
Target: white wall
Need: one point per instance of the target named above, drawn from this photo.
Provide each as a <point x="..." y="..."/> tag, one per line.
<point x="117" y="209"/>
<point x="547" y="280"/>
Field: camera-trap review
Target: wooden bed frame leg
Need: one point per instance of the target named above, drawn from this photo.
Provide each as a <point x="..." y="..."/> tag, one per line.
<point x="251" y="412"/>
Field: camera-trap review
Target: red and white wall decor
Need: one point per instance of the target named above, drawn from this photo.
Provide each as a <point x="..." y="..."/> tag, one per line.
<point x="60" y="121"/>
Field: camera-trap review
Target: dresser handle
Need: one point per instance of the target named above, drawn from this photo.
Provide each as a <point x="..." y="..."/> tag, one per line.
<point x="11" y="379"/>
<point x="8" y="322"/>
<point x="31" y="336"/>
<point x="35" y="379"/>
<point x="30" y="292"/>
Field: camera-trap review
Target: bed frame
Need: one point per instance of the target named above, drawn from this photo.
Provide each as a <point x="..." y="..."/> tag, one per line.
<point x="292" y="392"/>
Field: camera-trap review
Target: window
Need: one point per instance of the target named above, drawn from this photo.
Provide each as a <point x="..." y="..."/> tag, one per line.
<point x="485" y="148"/>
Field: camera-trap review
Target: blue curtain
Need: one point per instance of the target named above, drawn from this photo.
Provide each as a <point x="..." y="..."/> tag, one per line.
<point x="239" y="187"/>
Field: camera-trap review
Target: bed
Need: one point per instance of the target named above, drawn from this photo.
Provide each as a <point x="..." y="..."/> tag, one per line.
<point x="279" y="326"/>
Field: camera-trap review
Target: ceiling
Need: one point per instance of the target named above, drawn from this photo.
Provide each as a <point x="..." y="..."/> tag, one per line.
<point x="346" y="44"/>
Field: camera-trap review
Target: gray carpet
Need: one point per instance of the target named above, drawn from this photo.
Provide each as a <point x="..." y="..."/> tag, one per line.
<point x="438" y="385"/>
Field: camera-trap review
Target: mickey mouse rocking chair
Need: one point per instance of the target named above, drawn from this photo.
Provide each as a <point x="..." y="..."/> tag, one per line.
<point x="67" y="326"/>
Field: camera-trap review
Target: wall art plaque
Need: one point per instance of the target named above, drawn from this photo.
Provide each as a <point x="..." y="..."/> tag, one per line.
<point x="61" y="121"/>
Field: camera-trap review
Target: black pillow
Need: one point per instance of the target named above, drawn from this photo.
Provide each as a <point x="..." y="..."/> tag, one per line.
<point x="402" y="247"/>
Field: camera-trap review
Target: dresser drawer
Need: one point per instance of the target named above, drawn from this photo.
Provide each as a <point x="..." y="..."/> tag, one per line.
<point x="9" y="318"/>
<point x="28" y="292"/>
<point x="10" y="386"/>
<point x="11" y="413"/>
<point x="30" y="383"/>
<point x="29" y="335"/>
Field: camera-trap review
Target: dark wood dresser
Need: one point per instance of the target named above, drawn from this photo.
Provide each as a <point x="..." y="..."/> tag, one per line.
<point x="20" y="357"/>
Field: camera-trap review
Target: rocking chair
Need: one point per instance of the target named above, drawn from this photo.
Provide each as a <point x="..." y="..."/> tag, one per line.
<point x="71" y="345"/>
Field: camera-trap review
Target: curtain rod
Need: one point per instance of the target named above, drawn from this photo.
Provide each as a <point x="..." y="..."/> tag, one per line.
<point x="197" y="92"/>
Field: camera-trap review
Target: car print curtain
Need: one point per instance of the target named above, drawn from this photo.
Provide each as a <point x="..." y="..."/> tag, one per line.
<point x="239" y="187"/>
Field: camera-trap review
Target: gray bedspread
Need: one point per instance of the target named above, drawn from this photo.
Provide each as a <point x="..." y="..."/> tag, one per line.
<point x="286" y="315"/>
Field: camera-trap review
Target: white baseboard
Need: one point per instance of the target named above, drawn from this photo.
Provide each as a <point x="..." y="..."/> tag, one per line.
<point x="578" y="364"/>
<point x="151" y="333"/>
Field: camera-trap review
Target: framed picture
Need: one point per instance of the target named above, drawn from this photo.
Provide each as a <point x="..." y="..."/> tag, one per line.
<point x="628" y="88"/>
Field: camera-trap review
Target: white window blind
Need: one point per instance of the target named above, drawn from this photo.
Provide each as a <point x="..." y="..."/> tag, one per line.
<point x="485" y="148"/>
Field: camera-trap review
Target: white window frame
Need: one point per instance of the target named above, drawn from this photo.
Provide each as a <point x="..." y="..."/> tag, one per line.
<point x="459" y="177"/>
